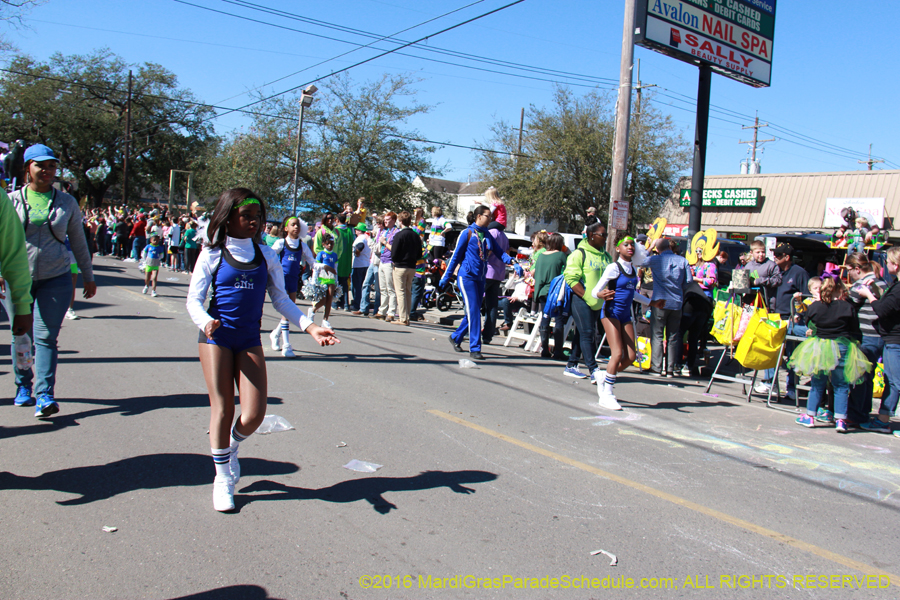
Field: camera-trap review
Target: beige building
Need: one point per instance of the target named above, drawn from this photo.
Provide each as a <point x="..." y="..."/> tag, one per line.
<point x="463" y="197"/>
<point x="744" y="206"/>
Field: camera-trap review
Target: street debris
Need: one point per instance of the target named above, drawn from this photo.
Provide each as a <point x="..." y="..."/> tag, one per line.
<point x="342" y="445"/>
<point x="362" y="467"/>
<point x="109" y="529"/>
<point x="613" y="561"/>
<point x="273" y="424"/>
<point x="465" y="363"/>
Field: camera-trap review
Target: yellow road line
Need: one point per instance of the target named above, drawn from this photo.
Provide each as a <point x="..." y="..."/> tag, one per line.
<point x="704" y="510"/>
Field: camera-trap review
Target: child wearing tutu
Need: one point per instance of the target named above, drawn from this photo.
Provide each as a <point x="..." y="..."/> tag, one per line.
<point x="832" y="351"/>
<point x="326" y="271"/>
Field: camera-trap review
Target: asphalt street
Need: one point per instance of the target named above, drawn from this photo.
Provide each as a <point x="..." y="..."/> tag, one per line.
<point x="497" y="482"/>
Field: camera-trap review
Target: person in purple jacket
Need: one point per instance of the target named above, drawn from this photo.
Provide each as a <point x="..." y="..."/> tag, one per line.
<point x="496" y="274"/>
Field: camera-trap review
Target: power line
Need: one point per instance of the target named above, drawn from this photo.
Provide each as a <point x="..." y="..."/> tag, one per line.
<point x="383" y="38"/>
<point x="362" y="62"/>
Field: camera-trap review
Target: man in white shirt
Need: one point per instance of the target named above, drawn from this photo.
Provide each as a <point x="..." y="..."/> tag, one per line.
<point x="439" y="227"/>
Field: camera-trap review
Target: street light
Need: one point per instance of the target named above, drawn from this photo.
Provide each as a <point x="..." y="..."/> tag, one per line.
<point x="306" y="100"/>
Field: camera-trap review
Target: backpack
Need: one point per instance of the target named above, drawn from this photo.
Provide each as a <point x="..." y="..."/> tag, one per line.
<point x="559" y="296"/>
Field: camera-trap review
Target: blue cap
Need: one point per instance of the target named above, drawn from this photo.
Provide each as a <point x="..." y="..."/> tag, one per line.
<point x="39" y="153"/>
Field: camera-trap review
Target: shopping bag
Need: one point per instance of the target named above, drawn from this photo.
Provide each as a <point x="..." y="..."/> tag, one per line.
<point x="726" y="317"/>
<point x="762" y="340"/>
<point x="642" y="359"/>
<point x="878" y="380"/>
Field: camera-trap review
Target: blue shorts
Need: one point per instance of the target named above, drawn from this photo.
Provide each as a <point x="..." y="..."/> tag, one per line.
<point x="622" y="315"/>
<point x="236" y="340"/>
<point x="291" y="284"/>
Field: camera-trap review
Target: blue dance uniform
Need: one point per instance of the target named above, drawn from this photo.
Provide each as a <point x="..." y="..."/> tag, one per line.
<point x="238" y="294"/>
<point x="619" y="307"/>
<point x="471" y="254"/>
<point x="291" y="264"/>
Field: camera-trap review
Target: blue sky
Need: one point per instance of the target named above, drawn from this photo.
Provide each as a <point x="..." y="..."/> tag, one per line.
<point x="833" y="89"/>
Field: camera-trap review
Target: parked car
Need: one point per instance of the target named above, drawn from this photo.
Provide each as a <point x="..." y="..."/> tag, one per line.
<point x="812" y="252"/>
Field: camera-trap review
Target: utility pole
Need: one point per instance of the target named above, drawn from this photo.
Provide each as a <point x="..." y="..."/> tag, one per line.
<point x="623" y="117"/>
<point x="755" y="142"/>
<point x="870" y="162"/>
<point x="522" y="126"/>
<point x="637" y="89"/>
<point x="127" y="142"/>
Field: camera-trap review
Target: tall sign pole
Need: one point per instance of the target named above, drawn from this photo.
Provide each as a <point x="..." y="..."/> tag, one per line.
<point x="698" y="173"/>
<point x="623" y="118"/>
<point x="734" y="38"/>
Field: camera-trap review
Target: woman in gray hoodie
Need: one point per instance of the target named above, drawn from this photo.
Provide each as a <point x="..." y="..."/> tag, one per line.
<point x="48" y="215"/>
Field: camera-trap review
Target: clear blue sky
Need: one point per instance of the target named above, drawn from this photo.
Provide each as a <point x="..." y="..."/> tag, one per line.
<point x="833" y="89"/>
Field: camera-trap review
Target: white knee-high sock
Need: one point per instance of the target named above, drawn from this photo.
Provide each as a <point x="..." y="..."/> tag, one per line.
<point x="222" y="456"/>
<point x="236" y="438"/>
<point x="285" y="332"/>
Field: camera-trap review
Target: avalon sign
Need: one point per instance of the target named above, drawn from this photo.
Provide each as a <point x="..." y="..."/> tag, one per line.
<point x="734" y="37"/>
<point x="725" y="197"/>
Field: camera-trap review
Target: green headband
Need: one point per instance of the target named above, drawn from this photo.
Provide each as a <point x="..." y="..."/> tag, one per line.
<point x="627" y="238"/>
<point x="248" y="202"/>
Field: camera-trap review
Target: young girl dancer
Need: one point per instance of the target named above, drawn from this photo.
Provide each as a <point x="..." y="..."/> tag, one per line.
<point x="240" y="272"/>
<point x="153" y="255"/>
<point x="326" y="264"/>
<point x="832" y="351"/>
<point x="292" y="252"/>
<point x="617" y="288"/>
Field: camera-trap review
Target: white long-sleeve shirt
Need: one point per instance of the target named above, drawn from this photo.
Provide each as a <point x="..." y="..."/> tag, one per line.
<point x="613" y="270"/>
<point x="242" y="250"/>
<point x="307" y="255"/>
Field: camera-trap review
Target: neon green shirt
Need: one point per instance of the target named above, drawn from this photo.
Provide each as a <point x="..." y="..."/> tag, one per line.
<point x="38" y="206"/>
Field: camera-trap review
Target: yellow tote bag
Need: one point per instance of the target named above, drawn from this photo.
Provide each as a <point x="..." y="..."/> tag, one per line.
<point x="762" y="340"/>
<point x="726" y="318"/>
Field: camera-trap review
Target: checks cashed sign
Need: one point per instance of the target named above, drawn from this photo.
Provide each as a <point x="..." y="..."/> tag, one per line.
<point x="734" y="37"/>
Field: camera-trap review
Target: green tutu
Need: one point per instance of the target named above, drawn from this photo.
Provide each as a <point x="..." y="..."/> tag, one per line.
<point x="816" y="356"/>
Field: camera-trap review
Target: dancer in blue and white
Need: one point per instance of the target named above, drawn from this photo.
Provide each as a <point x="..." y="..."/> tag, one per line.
<point x="617" y="288"/>
<point x="293" y="252"/>
<point x="240" y="272"/>
<point x="471" y="257"/>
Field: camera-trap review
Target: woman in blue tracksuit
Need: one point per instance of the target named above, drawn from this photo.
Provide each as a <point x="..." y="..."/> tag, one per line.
<point x="470" y="255"/>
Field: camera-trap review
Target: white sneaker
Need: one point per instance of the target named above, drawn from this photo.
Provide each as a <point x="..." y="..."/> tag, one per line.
<point x="235" y="467"/>
<point x="607" y="400"/>
<point x="326" y="324"/>
<point x="223" y="493"/>
<point x="154" y="294"/>
<point x="70" y="314"/>
<point x="288" y="352"/>
<point x="275" y="338"/>
<point x="311" y="314"/>
<point x="686" y="371"/>
<point x="145" y="290"/>
<point x="761" y="388"/>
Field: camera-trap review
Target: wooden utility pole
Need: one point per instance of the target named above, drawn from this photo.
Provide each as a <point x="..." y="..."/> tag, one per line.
<point x="870" y="162"/>
<point x="127" y="142"/>
<point x="623" y="118"/>
<point x="755" y="142"/>
<point x="522" y="127"/>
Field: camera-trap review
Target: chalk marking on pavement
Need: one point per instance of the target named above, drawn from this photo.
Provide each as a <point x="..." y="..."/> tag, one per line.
<point x="683" y="502"/>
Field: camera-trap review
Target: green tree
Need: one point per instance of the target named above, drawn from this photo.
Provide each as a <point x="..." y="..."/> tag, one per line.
<point x="355" y="144"/>
<point x="566" y="163"/>
<point x="77" y="106"/>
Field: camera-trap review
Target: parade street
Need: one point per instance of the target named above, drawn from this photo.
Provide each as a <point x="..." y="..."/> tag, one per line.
<point x="503" y="481"/>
